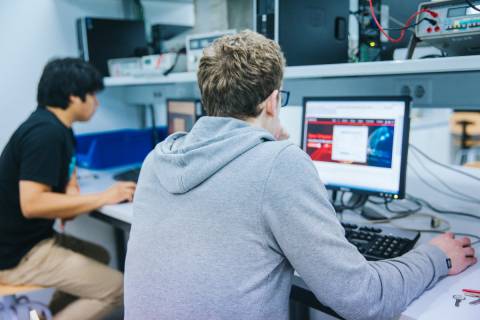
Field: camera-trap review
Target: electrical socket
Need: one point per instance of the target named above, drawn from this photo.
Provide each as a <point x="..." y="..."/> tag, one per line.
<point x="420" y="89"/>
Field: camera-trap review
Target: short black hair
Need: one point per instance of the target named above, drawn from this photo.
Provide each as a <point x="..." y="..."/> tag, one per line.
<point x="62" y="78"/>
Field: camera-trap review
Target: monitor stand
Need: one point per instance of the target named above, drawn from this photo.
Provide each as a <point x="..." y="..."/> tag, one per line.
<point x="370" y="213"/>
<point x="357" y="202"/>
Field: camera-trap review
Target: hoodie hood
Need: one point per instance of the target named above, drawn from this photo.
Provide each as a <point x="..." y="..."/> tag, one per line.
<point x="183" y="161"/>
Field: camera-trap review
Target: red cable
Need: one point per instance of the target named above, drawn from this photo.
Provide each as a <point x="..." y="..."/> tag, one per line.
<point x="407" y="25"/>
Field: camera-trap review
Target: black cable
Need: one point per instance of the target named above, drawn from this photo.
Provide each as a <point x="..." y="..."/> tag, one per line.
<point x="379" y="202"/>
<point x="447" y="212"/>
<point x="420" y="201"/>
<point x="444" y="165"/>
<point x="431" y="56"/>
<point x="433" y="187"/>
<point x="387" y="201"/>
<point x="457" y="234"/>
<point x="358" y="204"/>
<point x="357" y="16"/>
<point x="470" y="3"/>
<point x="413" y="25"/>
<point x="155" y="137"/>
<point x="177" y="56"/>
<point x="465" y="196"/>
<point x="407" y="211"/>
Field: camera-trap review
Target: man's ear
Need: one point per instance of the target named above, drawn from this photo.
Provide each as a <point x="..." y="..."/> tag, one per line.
<point x="74" y="101"/>
<point x="271" y="104"/>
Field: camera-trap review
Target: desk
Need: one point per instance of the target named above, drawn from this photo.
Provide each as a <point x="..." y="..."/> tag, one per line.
<point x="119" y="216"/>
<point x="434" y="304"/>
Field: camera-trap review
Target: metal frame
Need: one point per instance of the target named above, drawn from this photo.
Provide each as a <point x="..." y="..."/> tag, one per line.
<point x="121" y="228"/>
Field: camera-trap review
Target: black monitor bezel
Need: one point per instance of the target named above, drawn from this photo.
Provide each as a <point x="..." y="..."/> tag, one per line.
<point x="406" y="134"/>
<point x="194" y="100"/>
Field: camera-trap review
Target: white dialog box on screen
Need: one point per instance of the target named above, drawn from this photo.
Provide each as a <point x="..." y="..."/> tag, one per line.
<point x="350" y="143"/>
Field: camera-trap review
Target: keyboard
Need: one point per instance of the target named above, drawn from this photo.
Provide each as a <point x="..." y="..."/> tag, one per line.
<point x="129" y="175"/>
<point x="376" y="243"/>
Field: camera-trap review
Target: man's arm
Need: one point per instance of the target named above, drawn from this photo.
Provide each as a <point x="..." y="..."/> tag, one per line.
<point x="72" y="187"/>
<point x="41" y="156"/>
<point x="306" y="231"/>
<point x="38" y="201"/>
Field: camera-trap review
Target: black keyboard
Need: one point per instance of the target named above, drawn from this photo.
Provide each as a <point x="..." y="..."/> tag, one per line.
<point x="376" y="243"/>
<point x="129" y="175"/>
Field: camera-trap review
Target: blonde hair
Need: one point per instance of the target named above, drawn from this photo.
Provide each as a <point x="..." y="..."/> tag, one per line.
<point x="238" y="72"/>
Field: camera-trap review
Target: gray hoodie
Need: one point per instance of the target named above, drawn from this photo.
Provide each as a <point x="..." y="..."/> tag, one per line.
<point x="225" y="214"/>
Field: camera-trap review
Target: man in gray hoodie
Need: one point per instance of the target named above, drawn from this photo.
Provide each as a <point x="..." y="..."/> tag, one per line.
<point x="223" y="215"/>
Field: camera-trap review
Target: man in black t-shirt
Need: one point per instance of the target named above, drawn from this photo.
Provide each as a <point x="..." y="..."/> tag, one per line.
<point x="38" y="185"/>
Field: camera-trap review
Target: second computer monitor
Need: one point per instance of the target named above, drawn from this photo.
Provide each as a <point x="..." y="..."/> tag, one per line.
<point x="182" y="114"/>
<point x="358" y="144"/>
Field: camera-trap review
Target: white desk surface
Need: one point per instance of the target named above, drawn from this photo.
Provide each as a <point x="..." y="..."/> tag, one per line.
<point x="436" y="303"/>
<point x="92" y="181"/>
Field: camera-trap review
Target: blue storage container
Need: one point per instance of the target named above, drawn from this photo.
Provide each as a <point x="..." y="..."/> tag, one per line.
<point x="115" y="148"/>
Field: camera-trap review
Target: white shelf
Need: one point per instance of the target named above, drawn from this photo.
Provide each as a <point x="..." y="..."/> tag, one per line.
<point x="180" y="77"/>
<point x="434" y="65"/>
<point x="437" y="65"/>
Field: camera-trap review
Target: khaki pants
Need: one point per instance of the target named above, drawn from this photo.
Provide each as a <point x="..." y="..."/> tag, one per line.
<point x="86" y="287"/>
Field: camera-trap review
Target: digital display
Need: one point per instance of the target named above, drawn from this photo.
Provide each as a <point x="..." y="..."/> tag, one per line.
<point x="356" y="145"/>
<point x="364" y="142"/>
<point x="457" y="12"/>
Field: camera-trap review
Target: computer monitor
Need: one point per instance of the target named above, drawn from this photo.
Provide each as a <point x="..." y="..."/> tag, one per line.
<point x="101" y="39"/>
<point x="182" y="114"/>
<point x="358" y="144"/>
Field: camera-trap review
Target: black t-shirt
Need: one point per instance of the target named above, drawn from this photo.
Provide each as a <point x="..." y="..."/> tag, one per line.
<point x="40" y="150"/>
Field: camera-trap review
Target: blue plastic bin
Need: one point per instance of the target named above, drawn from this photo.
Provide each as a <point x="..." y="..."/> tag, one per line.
<point x="115" y="148"/>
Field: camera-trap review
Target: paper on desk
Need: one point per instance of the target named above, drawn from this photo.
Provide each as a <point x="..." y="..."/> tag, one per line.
<point x="438" y="303"/>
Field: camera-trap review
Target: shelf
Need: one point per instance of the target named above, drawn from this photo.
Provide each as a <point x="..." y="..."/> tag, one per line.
<point x="413" y="67"/>
<point x="181" y="77"/>
<point x="434" y="65"/>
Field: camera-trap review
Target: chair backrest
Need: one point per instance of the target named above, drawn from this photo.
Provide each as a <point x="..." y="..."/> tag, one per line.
<point x="473" y="129"/>
<point x="473" y="164"/>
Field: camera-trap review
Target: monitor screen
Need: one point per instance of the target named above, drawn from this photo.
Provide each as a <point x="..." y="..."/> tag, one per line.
<point x="101" y="39"/>
<point x="358" y="144"/>
<point x="182" y="115"/>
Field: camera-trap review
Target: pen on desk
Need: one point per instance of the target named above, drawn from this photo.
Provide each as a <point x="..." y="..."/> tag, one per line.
<point x="471" y="292"/>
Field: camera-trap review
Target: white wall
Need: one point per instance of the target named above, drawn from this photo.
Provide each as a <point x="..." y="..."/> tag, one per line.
<point x="430" y="123"/>
<point x="33" y="32"/>
<point x="176" y="13"/>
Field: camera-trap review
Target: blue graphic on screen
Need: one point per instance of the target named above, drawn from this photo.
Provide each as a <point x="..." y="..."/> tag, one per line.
<point x="380" y="146"/>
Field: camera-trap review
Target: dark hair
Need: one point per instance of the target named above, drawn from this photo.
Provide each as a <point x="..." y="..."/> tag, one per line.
<point x="238" y="72"/>
<point x="62" y="78"/>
